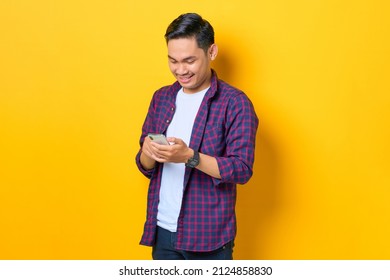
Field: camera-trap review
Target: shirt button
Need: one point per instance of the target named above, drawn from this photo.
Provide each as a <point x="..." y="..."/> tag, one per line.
<point x="167" y="121"/>
<point x="172" y="108"/>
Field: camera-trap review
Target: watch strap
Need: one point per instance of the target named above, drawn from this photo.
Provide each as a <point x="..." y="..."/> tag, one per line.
<point x="193" y="161"/>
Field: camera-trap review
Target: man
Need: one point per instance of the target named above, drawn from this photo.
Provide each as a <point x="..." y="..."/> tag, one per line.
<point x="211" y="128"/>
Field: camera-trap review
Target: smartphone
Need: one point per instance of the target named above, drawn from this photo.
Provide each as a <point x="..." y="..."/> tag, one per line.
<point x="158" y="138"/>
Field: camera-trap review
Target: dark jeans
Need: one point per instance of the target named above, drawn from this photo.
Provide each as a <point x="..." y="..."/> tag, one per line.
<point x="164" y="249"/>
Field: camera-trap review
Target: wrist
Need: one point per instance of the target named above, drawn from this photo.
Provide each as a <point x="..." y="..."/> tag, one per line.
<point x="147" y="162"/>
<point x="193" y="160"/>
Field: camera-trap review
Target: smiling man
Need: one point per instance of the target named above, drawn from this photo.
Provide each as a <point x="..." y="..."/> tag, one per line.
<point x="211" y="129"/>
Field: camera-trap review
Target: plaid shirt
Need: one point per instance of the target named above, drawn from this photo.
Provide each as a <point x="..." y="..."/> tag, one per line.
<point x="225" y="128"/>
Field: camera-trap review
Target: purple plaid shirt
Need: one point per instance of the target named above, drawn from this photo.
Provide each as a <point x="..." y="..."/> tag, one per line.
<point x="225" y="128"/>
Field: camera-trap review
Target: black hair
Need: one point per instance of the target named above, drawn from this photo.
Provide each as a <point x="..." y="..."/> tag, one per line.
<point x="191" y="25"/>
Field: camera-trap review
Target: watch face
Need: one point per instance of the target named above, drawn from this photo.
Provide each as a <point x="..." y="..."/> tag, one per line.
<point x="191" y="163"/>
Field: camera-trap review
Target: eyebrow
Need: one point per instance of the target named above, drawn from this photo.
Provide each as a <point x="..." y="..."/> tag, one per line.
<point x="185" y="59"/>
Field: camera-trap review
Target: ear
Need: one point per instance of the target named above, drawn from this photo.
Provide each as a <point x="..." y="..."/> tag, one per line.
<point x="213" y="51"/>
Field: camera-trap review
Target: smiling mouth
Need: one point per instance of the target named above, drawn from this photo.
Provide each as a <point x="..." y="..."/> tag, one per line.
<point x="185" y="79"/>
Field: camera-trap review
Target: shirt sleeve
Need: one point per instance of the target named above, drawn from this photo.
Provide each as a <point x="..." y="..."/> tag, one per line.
<point x="146" y="128"/>
<point x="242" y="123"/>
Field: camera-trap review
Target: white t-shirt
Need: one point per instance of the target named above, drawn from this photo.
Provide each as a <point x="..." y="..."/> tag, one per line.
<point x="172" y="181"/>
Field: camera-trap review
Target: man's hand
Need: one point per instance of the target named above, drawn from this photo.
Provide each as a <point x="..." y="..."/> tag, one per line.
<point x="147" y="157"/>
<point x="176" y="152"/>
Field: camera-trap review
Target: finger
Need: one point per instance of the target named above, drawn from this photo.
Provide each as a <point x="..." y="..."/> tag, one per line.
<point x="148" y="153"/>
<point x="159" y="159"/>
<point x="157" y="148"/>
<point x="156" y="145"/>
<point x="172" y="139"/>
<point x="157" y="151"/>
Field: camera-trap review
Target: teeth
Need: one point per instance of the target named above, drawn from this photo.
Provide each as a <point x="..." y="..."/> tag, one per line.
<point x="185" y="79"/>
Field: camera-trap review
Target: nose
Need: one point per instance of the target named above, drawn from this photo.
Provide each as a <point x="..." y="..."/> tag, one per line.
<point x="181" y="69"/>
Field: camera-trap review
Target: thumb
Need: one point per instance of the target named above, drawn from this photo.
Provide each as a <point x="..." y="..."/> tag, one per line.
<point x="172" y="140"/>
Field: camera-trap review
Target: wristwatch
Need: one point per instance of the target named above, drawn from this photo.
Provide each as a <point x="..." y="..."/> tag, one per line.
<point x="194" y="161"/>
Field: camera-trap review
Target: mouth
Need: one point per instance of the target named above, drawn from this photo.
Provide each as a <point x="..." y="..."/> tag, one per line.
<point x="184" y="79"/>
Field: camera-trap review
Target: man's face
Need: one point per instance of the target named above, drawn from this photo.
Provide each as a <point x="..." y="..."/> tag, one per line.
<point x="190" y="64"/>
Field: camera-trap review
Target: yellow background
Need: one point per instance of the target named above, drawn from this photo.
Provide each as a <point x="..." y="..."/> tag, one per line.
<point x="76" y="78"/>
